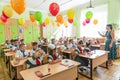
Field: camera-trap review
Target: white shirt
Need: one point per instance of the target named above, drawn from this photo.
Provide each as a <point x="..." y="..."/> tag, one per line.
<point x="19" y="54"/>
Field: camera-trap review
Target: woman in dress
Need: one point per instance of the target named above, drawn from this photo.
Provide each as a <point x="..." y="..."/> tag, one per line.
<point x="110" y="44"/>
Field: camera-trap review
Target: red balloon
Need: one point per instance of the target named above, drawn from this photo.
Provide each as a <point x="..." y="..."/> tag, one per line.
<point x="84" y="23"/>
<point x="5" y="15"/>
<point x="54" y="8"/>
<point x="70" y="21"/>
<point x="43" y="24"/>
<point x="3" y="18"/>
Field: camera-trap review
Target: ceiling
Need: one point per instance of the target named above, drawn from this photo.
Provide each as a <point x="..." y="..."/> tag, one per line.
<point x="43" y="5"/>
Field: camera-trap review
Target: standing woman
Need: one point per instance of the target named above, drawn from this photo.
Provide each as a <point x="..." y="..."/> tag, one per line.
<point x="110" y="44"/>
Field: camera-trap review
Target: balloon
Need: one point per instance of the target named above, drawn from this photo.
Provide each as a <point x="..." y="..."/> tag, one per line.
<point x="59" y="18"/>
<point x="18" y="6"/>
<point x="38" y="16"/>
<point x="54" y="9"/>
<point x="21" y="21"/>
<point x="7" y="9"/>
<point x="40" y="22"/>
<point x="65" y="24"/>
<point x="3" y="17"/>
<point x="84" y="23"/>
<point x="70" y="13"/>
<point x="43" y="24"/>
<point x="70" y="21"/>
<point x="32" y="17"/>
<point x="47" y="21"/>
<point x="87" y="21"/>
<point x="1" y="22"/>
<point x="53" y="24"/>
<point x="89" y="15"/>
<point x="58" y="24"/>
<point x="75" y="23"/>
<point x="95" y="21"/>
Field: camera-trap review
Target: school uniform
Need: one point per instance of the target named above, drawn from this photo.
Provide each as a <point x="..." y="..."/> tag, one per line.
<point x="65" y="47"/>
<point x="15" y="47"/>
<point x="21" y="54"/>
<point x="83" y="61"/>
<point x="40" y="42"/>
<point x="72" y="45"/>
<point x="7" y="45"/>
<point x="34" y="62"/>
<point x="54" y="57"/>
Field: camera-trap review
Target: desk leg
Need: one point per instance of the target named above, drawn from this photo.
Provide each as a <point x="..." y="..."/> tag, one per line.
<point x="91" y="71"/>
<point x="9" y="67"/>
<point x="107" y="64"/>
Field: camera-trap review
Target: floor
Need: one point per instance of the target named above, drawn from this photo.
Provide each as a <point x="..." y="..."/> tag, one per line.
<point x="99" y="74"/>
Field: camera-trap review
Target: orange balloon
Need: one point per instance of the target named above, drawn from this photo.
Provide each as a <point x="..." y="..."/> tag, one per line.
<point x="95" y="22"/>
<point x="59" y="18"/>
<point x="32" y="18"/>
<point x="58" y="24"/>
<point x="18" y="6"/>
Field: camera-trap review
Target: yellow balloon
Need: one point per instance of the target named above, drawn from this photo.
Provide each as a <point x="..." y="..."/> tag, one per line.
<point x="7" y="9"/>
<point x="21" y="21"/>
<point x="47" y="21"/>
<point x="70" y="13"/>
<point x="65" y="24"/>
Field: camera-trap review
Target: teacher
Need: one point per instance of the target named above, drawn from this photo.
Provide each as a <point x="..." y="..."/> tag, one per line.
<point x="110" y="44"/>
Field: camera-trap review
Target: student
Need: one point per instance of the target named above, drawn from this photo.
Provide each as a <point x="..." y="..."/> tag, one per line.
<point x="7" y="44"/>
<point x="88" y="46"/>
<point x="15" y="46"/>
<point x="40" y="41"/>
<point x="35" y="47"/>
<point x="65" y="45"/>
<point x="53" y="41"/>
<point x="79" y="51"/>
<point x="35" y="60"/>
<point x="71" y="44"/>
<point x="21" y="53"/>
<point x="53" y="56"/>
<point x="22" y="41"/>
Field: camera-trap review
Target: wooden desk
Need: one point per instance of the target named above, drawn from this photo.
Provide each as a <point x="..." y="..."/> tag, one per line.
<point x="96" y="59"/>
<point x="58" y="72"/>
<point x="19" y="67"/>
<point x="68" y="52"/>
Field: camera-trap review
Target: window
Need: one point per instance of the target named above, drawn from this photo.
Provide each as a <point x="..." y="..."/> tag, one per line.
<point x="91" y="30"/>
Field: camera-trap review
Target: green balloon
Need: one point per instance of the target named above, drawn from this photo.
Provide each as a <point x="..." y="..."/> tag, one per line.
<point x="38" y="16"/>
<point x="89" y="15"/>
<point x="40" y="21"/>
<point x="75" y="23"/>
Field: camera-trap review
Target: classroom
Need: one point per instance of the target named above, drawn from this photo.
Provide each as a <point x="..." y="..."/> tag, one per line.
<point x="59" y="40"/>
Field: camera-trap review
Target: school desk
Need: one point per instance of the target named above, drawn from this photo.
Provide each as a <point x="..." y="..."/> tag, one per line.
<point x="95" y="46"/>
<point x="8" y="57"/>
<point x="57" y="72"/>
<point x="68" y="52"/>
<point x="18" y="67"/>
<point x="97" y="58"/>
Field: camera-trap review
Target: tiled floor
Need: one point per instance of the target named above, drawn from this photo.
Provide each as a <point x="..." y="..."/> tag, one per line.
<point x="113" y="73"/>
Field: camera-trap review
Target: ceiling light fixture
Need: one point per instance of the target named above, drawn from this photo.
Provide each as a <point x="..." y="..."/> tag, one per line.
<point x="90" y="6"/>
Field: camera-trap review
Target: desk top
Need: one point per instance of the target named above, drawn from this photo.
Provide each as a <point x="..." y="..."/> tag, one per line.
<point x="68" y="51"/>
<point x="29" y="74"/>
<point x="95" y="54"/>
